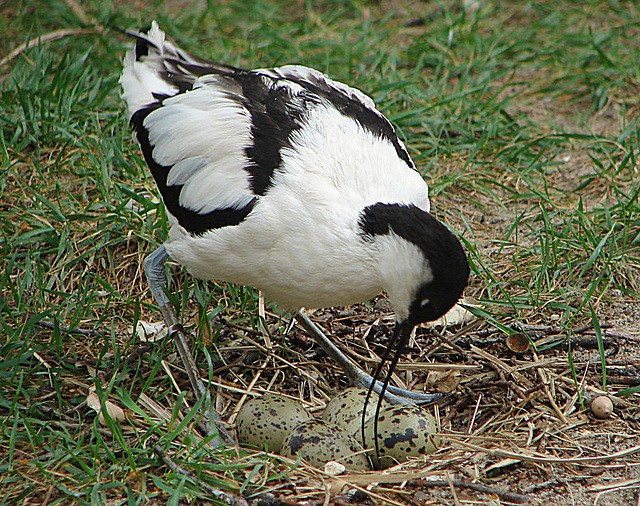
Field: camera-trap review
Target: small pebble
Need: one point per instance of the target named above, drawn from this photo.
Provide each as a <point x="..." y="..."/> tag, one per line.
<point x="602" y="407"/>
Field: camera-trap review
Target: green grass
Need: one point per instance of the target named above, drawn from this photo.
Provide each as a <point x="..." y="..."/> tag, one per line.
<point x="522" y="116"/>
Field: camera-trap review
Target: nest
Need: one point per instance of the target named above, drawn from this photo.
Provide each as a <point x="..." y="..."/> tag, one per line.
<point x="514" y="417"/>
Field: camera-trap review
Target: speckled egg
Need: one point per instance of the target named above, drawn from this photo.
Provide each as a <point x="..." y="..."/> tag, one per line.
<point x="318" y="442"/>
<point x="345" y="409"/>
<point x="267" y="420"/>
<point x="403" y="432"/>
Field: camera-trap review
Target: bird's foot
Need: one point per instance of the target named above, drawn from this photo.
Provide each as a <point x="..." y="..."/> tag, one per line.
<point x="394" y="395"/>
<point x="357" y="376"/>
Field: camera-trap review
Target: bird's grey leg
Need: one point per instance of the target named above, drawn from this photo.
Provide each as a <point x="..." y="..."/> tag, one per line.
<point x="154" y="269"/>
<point x="357" y="376"/>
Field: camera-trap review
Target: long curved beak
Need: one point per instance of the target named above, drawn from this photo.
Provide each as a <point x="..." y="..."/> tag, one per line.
<point x="399" y="340"/>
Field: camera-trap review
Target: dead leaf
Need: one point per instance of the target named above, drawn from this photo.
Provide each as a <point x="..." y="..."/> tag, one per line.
<point x="114" y="411"/>
<point x="150" y="332"/>
<point x="456" y="316"/>
<point x="442" y="381"/>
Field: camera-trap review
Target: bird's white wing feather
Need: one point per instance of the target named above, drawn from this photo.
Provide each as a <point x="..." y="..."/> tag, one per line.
<point x="203" y="135"/>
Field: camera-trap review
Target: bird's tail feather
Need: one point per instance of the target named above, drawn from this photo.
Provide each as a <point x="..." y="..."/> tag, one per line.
<point x="156" y="68"/>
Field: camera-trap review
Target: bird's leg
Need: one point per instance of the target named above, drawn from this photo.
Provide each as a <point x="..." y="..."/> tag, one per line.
<point x="154" y="269"/>
<point x="357" y="376"/>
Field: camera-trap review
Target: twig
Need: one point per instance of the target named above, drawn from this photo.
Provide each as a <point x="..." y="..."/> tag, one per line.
<point x="47" y="324"/>
<point x="614" y="485"/>
<point x="475" y="412"/>
<point x="266" y="499"/>
<point x="551" y="329"/>
<point x="262" y="320"/>
<point x="247" y="330"/>
<point x="45" y="501"/>
<point x="502" y="494"/>
<point x="452" y="488"/>
<point x="220" y="495"/>
<point x="544" y="379"/>
<point x="249" y="388"/>
<point x="615" y="335"/>
<point x="47" y="37"/>
<point x="500" y="367"/>
<point x="497" y="452"/>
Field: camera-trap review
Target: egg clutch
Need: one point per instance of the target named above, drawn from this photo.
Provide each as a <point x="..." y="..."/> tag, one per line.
<point x="282" y="425"/>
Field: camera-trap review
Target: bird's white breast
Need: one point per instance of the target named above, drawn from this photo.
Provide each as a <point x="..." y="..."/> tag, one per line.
<point x="302" y="244"/>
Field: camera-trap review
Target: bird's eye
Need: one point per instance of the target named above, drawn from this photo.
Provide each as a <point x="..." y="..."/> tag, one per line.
<point x="424" y="302"/>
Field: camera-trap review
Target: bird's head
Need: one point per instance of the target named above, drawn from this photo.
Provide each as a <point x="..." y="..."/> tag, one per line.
<point x="422" y="265"/>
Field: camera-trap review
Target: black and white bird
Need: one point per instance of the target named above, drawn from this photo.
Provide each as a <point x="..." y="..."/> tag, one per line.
<point x="290" y="182"/>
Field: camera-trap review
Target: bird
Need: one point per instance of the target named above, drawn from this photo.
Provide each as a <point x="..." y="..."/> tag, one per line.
<point x="293" y="183"/>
